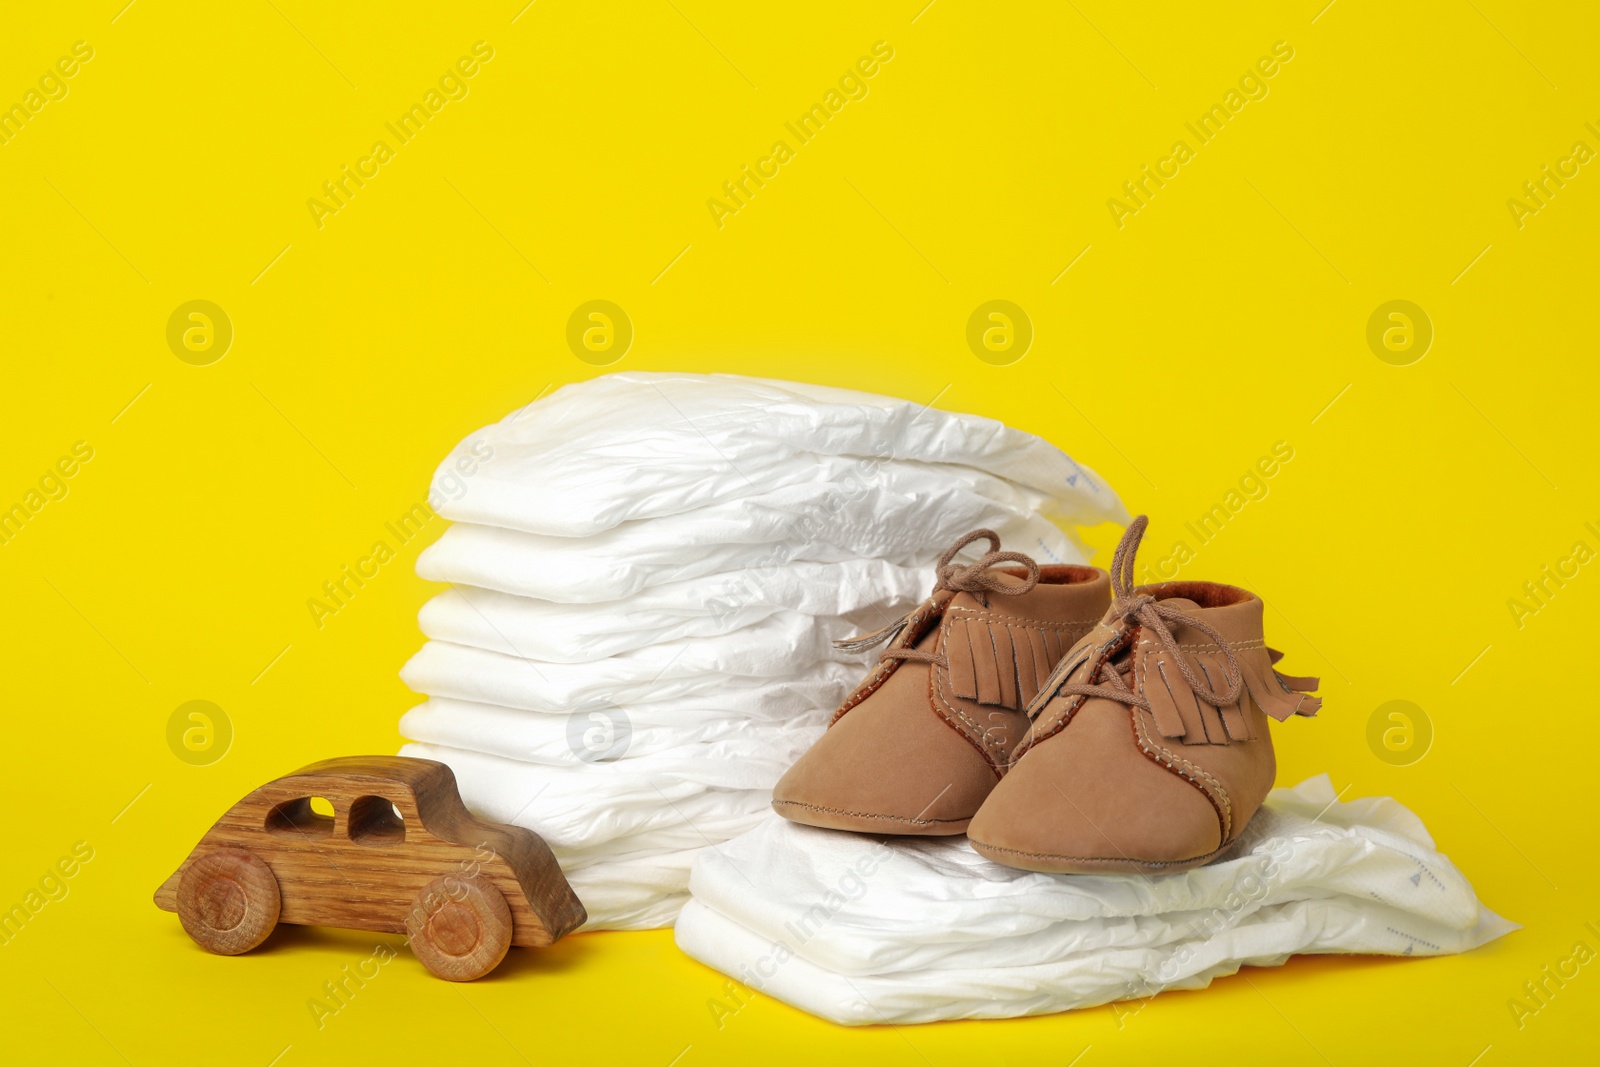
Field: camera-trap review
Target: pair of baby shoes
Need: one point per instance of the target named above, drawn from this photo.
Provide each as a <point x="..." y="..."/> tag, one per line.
<point x="1066" y="720"/>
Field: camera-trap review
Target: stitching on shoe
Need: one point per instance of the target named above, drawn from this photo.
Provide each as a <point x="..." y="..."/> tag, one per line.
<point x="1079" y="627"/>
<point x="884" y="667"/>
<point x="1013" y="620"/>
<point x="1199" y="776"/>
<point x="936" y="677"/>
<point x="1076" y="629"/>
<point x="1237" y="646"/>
<point x="936" y="692"/>
<point x="1105" y="859"/>
<point x="864" y="814"/>
<point x="870" y="684"/>
<point x="936" y="689"/>
<point x="1071" y="631"/>
<point x="996" y="753"/>
<point x="1033" y="739"/>
<point x="1195" y="776"/>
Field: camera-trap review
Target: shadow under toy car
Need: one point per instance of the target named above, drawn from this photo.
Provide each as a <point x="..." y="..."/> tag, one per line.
<point x="399" y="854"/>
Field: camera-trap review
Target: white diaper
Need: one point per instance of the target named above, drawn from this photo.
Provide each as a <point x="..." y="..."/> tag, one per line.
<point x="643" y="677"/>
<point x="865" y="930"/>
<point x="608" y="734"/>
<point x="642" y="445"/>
<point x="855" y="591"/>
<point x="741" y="535"/>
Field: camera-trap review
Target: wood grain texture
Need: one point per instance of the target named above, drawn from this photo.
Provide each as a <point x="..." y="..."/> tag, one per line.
<point x="398" y="825"/>
<point x="462" y="928"/>
<point x="228" y="901"/>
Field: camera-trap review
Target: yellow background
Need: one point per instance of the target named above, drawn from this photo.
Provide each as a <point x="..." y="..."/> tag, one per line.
<point x="1228" y="314"/>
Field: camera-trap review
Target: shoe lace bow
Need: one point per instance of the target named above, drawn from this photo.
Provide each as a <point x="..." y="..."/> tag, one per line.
<point x="976" y="578"/>
<point x="1154" y="616"/>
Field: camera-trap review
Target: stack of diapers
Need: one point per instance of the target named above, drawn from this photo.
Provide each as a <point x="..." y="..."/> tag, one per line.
<point x="863" y="930"/>
<point x="646" y="572"/>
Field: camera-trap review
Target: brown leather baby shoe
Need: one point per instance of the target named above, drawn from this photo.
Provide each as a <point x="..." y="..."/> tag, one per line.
<point x="920" y="743"/>
<point x="1149" y="749"/>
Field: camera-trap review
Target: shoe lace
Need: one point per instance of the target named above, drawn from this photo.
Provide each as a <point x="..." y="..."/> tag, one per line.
<point x="970" y="578"/>
<point x="1153" y="615"/>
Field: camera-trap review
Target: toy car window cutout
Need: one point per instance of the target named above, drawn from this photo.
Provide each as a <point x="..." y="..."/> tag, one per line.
<point x="375" y="821"/>
<point x="300" y="818"/>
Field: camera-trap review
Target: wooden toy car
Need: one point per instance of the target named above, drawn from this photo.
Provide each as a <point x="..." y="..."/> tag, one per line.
<point x="400" y="854"/>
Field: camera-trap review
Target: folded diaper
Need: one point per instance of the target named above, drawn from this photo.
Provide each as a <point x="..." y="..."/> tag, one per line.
<point x="864" y="930"/>
<point x="701" y="607"/>
<point x="581" y="808"/>
<point x="638" y="445"/>
<point x="818" y="525"/>
<point x="646" y="575"/>
<point x="764" y="649"/>
<point x="592" y="735"/>
<point x="645" y="676"/>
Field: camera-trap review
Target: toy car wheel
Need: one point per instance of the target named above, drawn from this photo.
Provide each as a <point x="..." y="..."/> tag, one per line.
<point x="460" y="927"/>
<point x="228" y="901"/>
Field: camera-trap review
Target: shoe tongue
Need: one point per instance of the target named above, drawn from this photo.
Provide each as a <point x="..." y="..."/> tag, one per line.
<point x="1006" y="578"/>
<point x="1181" y="631"/>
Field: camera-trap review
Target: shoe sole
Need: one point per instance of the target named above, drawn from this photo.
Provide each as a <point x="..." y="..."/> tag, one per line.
<point x="866" y="822"/>
<point x="1049" y="863"/>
